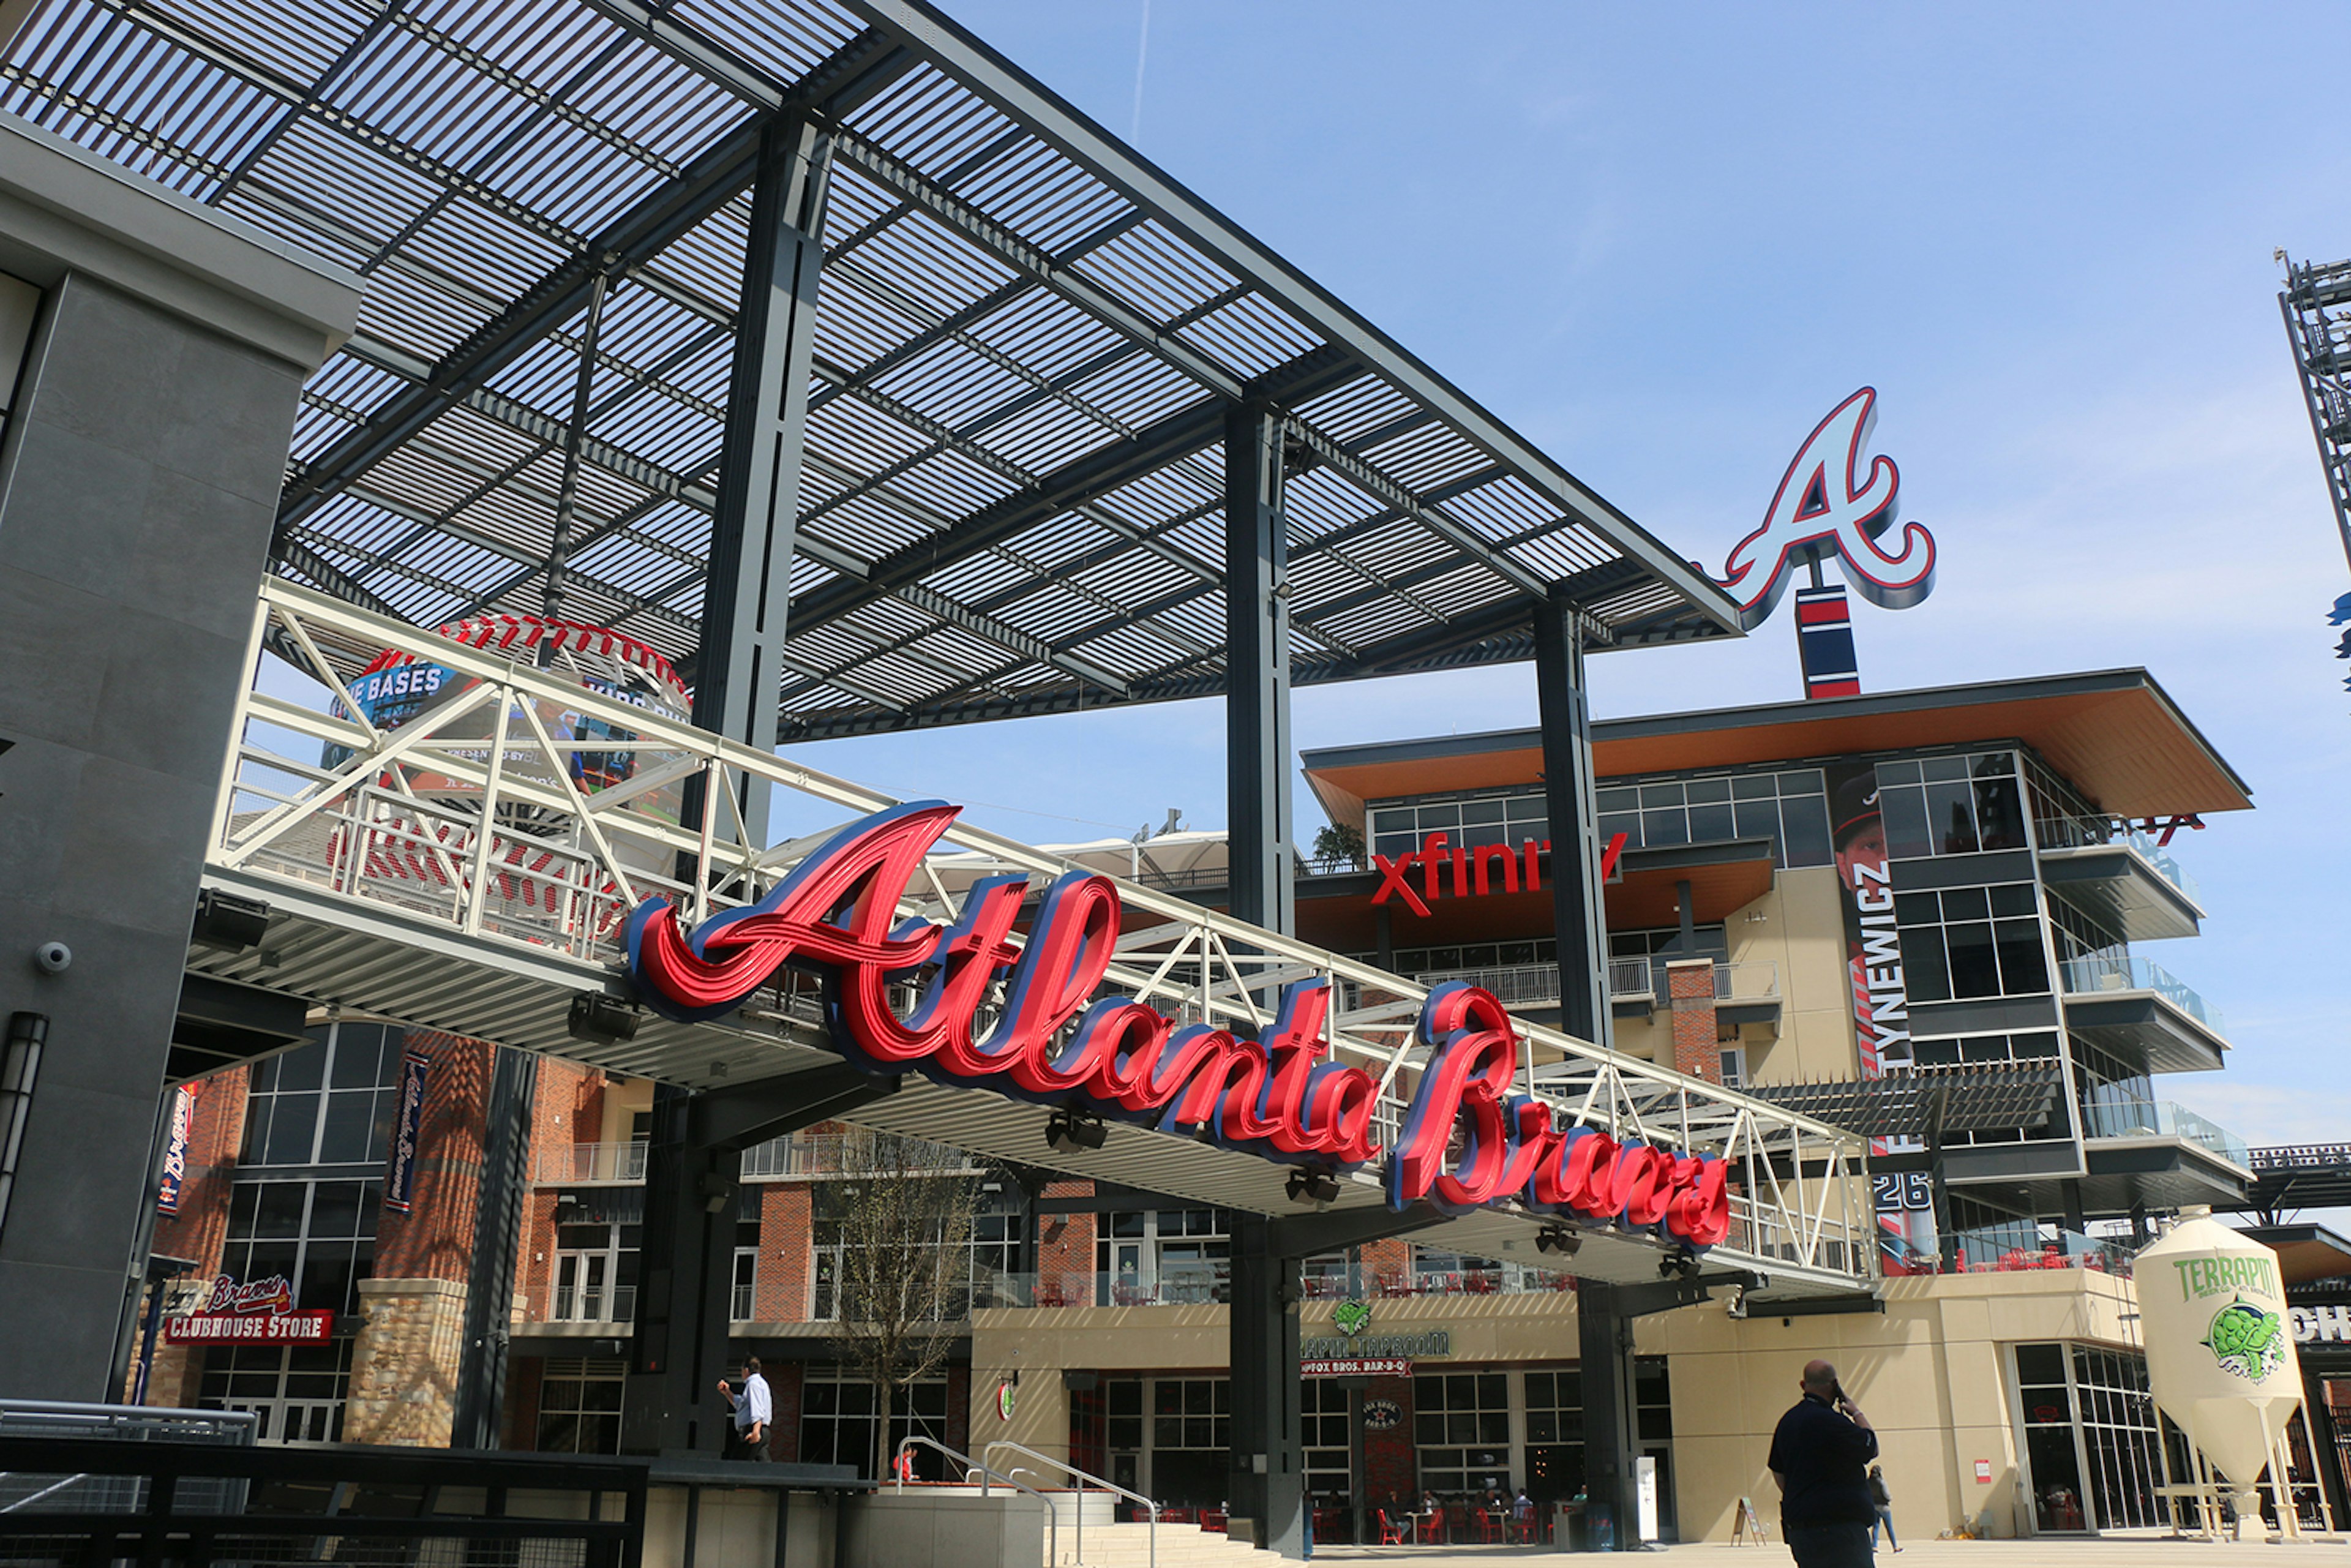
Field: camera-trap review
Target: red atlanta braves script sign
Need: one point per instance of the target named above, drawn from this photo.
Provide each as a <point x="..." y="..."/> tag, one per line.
<point x="1053" y="1043"/>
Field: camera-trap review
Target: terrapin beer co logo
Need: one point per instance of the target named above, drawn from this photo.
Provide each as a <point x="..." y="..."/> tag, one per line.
<point x="1054" y="1044"/>
<point x="1825" y="511"/>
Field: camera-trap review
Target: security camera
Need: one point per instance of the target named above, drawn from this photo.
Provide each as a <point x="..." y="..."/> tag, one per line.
<point x="54" y="958"/>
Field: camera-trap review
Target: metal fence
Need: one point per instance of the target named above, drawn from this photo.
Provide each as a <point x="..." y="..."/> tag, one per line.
<point x="373" y="1507"/>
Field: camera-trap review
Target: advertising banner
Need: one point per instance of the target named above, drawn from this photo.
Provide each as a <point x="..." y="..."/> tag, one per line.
<point x="1878" y="997"/>
<point x="260" y="1313"/>
<point x="408" y="1118"/>
<point x="176" y="1151"/>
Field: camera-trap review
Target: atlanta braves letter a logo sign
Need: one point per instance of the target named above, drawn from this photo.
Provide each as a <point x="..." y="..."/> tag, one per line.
<point x="1824" y="509"/>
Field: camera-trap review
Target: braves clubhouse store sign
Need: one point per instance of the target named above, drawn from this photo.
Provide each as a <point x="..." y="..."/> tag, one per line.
<point x="258" y="1312"/>
<point x="1054" y="1044"/>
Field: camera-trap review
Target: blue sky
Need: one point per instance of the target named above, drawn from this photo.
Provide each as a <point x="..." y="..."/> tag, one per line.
<point x="1663" y="243"/>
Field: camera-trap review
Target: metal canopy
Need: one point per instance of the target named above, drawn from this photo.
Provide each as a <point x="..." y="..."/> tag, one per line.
<point x="2297" y="1176"/>
<point x="1926" y="1102"/>
<point x="1028" y="342"/>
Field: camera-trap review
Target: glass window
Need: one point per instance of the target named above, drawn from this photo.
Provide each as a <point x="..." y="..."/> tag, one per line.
<point x="580" y="1405"/>
<point x="1461" y="1427"/>
<point x="325" y="1103"/>
<point x="1951" y="805"/>
<point x="1952" y="948"/>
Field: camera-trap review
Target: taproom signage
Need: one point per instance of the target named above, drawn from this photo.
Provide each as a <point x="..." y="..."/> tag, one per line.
<point x="1054" y="1043"/>
<point x="259" y="1312"/>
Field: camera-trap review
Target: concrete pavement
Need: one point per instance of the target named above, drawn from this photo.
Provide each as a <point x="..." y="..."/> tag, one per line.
<point x="2107" y="1552"/>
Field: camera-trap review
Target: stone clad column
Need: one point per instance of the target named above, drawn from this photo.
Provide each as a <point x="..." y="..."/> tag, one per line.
<point x="144" y="448"/>
<point x="1698" y="1043"/>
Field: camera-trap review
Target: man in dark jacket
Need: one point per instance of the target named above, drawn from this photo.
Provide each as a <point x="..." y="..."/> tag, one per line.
<point x="1820" y="1458"/>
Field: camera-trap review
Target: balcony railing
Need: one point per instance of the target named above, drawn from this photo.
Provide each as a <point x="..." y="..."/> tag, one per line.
<point x="592" y="1304"/>
<point x="1209" y="1283"/>
<point x="2162" y="1119"/>
<point x="2070" y="833"/>
<point x="587" y="1164"/>
<point x="2126" y="972"/>
<point x="850" y="1155"/>
<point x="2012" y="1248"/>
<point x="792" y="1154"/>
<point x="1534" y="984"/>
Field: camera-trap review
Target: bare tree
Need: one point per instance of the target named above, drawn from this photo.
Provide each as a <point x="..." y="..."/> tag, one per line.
<point x="904" y="1273"/>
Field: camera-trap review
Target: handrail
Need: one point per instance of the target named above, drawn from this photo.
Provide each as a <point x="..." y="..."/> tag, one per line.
<point x="1052" y="1508"/>
<point x="1081" y="1478"/>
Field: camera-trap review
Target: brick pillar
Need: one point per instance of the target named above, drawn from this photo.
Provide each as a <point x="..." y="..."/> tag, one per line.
<point x="216" y="1133"/>
<point x="787" y="1252"/>
<point x="1065" y="1248"/>
<point x="404" y="1366"/>
<point x="1697" y="1047"/>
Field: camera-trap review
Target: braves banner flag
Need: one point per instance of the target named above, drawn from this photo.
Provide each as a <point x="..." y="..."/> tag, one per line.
<point x="407" y="1119"/>
<point x="1880" y="1002"/>
<point x="175" y="1150"/>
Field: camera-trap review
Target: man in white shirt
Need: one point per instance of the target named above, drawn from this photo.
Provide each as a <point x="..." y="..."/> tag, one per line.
<point x="754" y="1410"/>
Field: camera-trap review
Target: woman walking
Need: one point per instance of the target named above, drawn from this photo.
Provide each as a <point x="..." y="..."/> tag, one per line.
<point x="1883" y="1500"/>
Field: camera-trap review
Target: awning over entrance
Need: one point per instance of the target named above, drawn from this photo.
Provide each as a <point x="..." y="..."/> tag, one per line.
<point x="390" y="899"/>
<point x="1928" y="1101"/>
<point x="1026" y="344"/>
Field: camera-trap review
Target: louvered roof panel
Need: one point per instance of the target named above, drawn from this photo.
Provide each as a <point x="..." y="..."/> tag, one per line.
<point x="1024" y="344"/>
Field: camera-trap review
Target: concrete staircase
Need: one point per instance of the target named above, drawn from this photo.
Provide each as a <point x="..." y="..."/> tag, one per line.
<point x="1129" y="1546"/>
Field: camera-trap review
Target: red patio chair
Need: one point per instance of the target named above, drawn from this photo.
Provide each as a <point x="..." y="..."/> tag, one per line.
<point x="1389" y="1534"/>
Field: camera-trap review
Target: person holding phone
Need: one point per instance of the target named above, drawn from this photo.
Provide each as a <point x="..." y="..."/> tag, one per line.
<point x="1821" y="1452"/>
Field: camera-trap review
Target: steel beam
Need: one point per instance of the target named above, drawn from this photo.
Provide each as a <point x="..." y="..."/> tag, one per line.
<point x="1191" y="429"/>
<point x="747" y="598"/>
<point x="1257" y="673"/>
<point x="862" y="67"/>
<point x="937" y="38"/>
<point x="1562" y="702"/>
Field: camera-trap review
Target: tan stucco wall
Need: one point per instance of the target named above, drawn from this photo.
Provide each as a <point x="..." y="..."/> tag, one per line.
<point x="1931" y="1372"/>
<point x="1801" y="931"/>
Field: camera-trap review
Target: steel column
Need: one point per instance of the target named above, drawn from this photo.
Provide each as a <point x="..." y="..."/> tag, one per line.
<point x="1565" y="713"/>
<point x="498" y="1236"/>
<point x="748" y="592"/>
<point x="1605" y="1337"/>
<point x="1267" y="1487"/>
<point x="1257" y="662"/>
<point x="684" y="1288"/>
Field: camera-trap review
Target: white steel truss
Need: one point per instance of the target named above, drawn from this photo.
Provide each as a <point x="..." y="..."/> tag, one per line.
<point x="450" y="874"/>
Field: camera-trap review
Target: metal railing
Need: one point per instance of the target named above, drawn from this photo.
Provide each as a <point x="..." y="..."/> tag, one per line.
<point x="2127" y="972"/>
<point x="2162" y="1119"/>
<point x="2298" y="1157"/>
<point x="465" y="825"/>
<point x="2010" y="1249"/>
<point x="1081" y="1478"/>
<point x="585" y="1303"/>
<point x="850" y="1155"/>
<point x="587" y="1164"/>
<point x="2096" y="832"/>
<point x="299" y="1503"/>
<point x="1532" y="985"/>
<point x="81" y="1492"/>
<point x="1052" y="1510"/>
